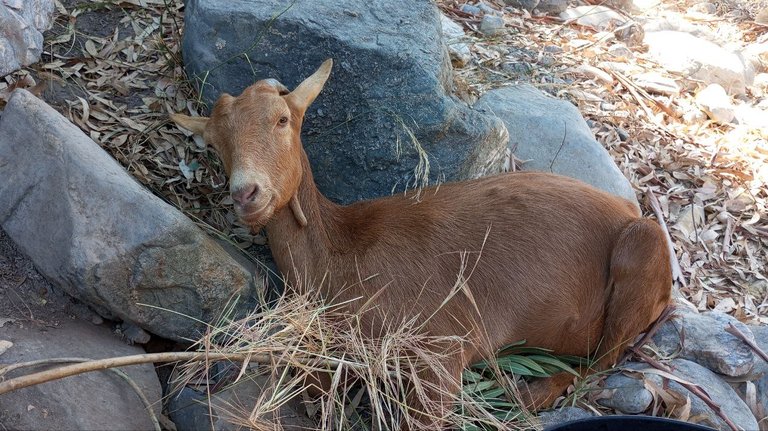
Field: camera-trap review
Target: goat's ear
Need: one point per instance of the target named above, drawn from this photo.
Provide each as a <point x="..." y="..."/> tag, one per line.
<point x="195" y="125"/>
<point x="308" y="90"/>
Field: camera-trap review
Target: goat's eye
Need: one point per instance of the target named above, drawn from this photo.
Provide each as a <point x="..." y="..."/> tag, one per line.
<point x="283" y="121"/>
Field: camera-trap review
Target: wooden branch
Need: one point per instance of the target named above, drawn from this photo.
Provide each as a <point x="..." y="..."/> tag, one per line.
<point x="103" y="364"/>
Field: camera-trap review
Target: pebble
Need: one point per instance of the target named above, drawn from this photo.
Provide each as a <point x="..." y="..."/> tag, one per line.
<point x="4" y="346"/>
<point x="553" y="49"/>
<point x="716" y="103"/>
<point x="488" y="9"/>
<point x="470" y="9"/>
<point x="491" y="25"/>
<point x="629" y="395"/>
<point x="619" y="50"/>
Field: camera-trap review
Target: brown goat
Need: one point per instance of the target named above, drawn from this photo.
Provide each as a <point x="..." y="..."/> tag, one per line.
<point x="548" y="259"/>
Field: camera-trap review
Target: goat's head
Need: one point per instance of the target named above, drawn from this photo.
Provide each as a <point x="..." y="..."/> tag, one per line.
<point x="257" y="136"/>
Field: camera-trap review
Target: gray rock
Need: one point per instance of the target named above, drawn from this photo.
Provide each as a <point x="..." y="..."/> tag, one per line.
<point x="550" y="135"/>
<point x="752" y="116"/>
<point x="628" y="394"/>
<point x="244" y="393"/>
<point x="552" y="7"/>
<point x="528" y="5"/>
<point x="599" y="18"/>
<point x="703" y="8"/>
<point x="706" y="342"/>
<point x="488" y="9"/>
<point x="697" y="58"/>
<point x="392" y="74"/>
<point x="761" y="371"/>
<point x="719" y="391"/>
<point x="620" y="50"/>
<point x="21" y="40"/>
<point x="454" y="37"/>
<point x="132" y="333"/>
<point x="91" y="401"/>
<point x="471" y="9"/>
<point x="553" y="418"/>
<point x="188" y="409"/>
<point x="491" y="25"/>
<point x="716" y="103"/>
<point x="756" y="55"/>
<point x="96" y="233"/>
<point x="654" y="82"/>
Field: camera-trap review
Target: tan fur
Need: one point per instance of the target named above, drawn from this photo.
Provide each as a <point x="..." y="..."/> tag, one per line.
<point x="547" y="259"/>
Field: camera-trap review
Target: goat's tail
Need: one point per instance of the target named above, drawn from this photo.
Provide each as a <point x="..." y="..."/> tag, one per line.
<point x="640" y="288"/>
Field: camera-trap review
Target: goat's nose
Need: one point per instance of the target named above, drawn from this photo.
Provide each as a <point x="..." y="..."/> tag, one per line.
<point x="245" y="194"/>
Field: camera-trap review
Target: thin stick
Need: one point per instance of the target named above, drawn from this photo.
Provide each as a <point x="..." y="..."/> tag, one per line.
<point x="735" y="331"/>
<point x="694" y="389"/>
<point x="677" y="273"/>
<point x="124" y="376"/>
<point x="103" y="364"/>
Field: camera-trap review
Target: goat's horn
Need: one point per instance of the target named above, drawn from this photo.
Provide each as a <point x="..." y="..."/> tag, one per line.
<point x="297" y="212"/>
<point x="281" y="89"/>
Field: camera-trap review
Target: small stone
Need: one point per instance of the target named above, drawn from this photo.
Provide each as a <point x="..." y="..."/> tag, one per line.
<point x="547" y="60"/>
<point x="133" y="334"/>
<point x="21" y="38"/>
<point x="716" y="103"/>
<point x="454" y="38"/>
<point x="517" y="68"/>
<point x="4" y="346"/>
<point x="599" y="18"/>
<point x="552" y="418"/>
<point x="553" y="49"/>
<point x="491" y="25"/>
<point x="470" y="9"/>
<point x="488" y="9"/>
<point x="188" y="410"/>
<point x="762" y="16"/>
<point x="702" y="8"/>
<point x="620" y="50"/>
<point x="623" y="134"/>
<point x="654" y="82"/>
<point x="528" y="5"/>
<point x="552" y="7"/>
<point x="628" y="394"/>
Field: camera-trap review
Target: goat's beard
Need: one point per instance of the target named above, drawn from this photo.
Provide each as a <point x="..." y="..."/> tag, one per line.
<point x="257" y="220"/>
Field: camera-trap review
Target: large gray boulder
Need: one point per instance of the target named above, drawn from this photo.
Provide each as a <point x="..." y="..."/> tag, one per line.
<point x="392" y="76"/>
<point x="550" y="135"/>
<point x="92" y="401"/>
<point x="702" y="338"/>
<point x="96" y="233"/>
<point x="21" y="39"/>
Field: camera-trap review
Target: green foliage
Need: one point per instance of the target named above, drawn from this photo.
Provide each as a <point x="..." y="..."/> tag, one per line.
<point x="487" y="382"/>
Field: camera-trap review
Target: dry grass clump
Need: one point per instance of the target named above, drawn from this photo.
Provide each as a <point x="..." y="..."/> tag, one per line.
<point x="372" y="381"/>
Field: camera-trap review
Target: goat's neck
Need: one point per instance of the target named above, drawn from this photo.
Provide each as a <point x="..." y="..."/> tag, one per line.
<point x="303" y="251"/>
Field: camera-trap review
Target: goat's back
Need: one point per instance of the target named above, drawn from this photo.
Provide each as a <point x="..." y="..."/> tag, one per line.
<point x="522" y="255"/>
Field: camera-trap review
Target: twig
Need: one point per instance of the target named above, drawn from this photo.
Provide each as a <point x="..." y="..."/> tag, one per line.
<point x="663" y="317"/>
<point x="103" y="364"/>
<point x="124" y="376"/>
<point x="735" y="331"/>
<point x="677" y="273"/>
<point x="694" y="389"/>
